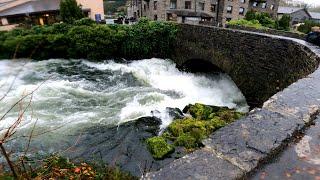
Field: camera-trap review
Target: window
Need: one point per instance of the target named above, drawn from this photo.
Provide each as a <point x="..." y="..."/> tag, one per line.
<point x="241" y="11"/>
<point x="264" y="5"/>
<point x="155" y="17"/>
<point x="213" y="7"/>
<point x="155" y="4"/>
<point x="228" y="19"/>
<point x="272" y="7"/>
<point x="201" y="6"/>
<point x="242" y="1"/>
<point x="187" y="4"/>
<point x="173" y="4"/>
<point x="144" y="7"/>
<point x="255" y="4"/>
<point x="229" y="9"/>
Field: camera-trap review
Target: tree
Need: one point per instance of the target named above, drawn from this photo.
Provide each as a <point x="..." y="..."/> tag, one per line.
<point x="70" y="11"/>
<point x="250" y="15"/>
<point x="283" y="23"/>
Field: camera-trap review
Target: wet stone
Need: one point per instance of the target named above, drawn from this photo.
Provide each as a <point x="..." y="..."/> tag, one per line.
<point x="247" y="142"/>
<point x="301" y="160"/>
<point x="201" y="164"/>
<point x="121" y="146"/>
<point x="301" y="99"/>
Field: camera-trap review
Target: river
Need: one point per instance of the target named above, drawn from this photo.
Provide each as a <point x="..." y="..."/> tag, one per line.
<point x="73" y="95"/>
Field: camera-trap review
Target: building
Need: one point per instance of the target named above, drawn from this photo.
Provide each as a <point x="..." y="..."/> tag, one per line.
<point x="210" y="12"/>
<point x="40" y="12"/>
<point x="298" y="15"/>
<point x="315" y="17"/>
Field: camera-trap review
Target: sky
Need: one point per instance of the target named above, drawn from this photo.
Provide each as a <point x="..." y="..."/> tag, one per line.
<point x="314" y="2"/>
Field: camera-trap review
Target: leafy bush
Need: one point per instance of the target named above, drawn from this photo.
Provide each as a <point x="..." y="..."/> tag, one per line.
<point x="263" y="18"/>
<point x="246" y="23"/>
<point x="283" y="23"/>
<point x="85" y="39"/>
<point x="250" y="15"/>
<point x="306" y="27"/>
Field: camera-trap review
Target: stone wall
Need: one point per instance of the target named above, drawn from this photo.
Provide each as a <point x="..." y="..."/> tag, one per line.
<point x="260" y="64"/>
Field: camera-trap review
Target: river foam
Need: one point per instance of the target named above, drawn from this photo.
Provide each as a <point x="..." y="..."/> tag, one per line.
<point x="109" y="93"/>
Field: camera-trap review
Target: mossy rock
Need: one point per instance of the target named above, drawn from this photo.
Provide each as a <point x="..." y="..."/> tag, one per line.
<point x="187" y="141"/>
<point x="158" y="147"/>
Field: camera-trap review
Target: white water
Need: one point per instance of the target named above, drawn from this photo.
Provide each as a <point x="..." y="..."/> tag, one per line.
<point x="82" y="93"/>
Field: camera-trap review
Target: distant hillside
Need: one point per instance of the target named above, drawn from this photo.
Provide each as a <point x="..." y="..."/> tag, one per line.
<point x="114" y="6"/>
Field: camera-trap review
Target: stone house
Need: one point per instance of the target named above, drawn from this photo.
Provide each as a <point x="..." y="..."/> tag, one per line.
<point x="40" y="12"/>
<point x="298" y="15"/>
<point x="210" y="12"/>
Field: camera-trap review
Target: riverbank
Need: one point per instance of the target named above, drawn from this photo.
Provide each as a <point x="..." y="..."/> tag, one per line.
<point x="87" y="40"/>
<point x="105" y="111"/>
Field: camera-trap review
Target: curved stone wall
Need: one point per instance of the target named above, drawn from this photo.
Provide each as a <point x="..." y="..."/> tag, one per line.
<point x="260" y="64"/>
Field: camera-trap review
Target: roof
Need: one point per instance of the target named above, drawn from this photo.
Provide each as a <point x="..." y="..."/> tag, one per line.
<point x="32" y="7"/>
<point x="189" y="13"/>
<point x="315" y="15"/>
<point x="288" y="10"/>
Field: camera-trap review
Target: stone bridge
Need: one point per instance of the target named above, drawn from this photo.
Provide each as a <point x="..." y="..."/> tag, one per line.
<point x="260" y="64"/>
<point x="279" y="74"/>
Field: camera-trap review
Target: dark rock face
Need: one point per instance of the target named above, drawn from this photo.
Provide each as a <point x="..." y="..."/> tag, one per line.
<point x="261" y="65"/>
<point x="175" y="113"/>
<point x="122" y="146"/>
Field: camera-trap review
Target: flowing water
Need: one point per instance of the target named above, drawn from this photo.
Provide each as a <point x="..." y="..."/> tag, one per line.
<point x="73" y="94"/>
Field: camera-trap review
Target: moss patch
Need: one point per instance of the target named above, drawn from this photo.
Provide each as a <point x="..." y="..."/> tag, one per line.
<point x="189" y="132"/>
<point x="159" y="147"/>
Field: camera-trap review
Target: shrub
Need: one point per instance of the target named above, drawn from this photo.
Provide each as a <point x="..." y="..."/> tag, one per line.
<point x="265" y="20"/>
<point x="306" y="27"/>
<point x="250" y="15"/>
<point x="85" y="39"/>
<point x="283" y="23"/>
<point x="246" y="23"/>
<point x="84" y="21"/>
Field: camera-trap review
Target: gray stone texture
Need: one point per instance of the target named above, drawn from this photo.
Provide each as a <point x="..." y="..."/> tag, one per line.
<point x="202" y="164"/>
<point x="261" y="65"/>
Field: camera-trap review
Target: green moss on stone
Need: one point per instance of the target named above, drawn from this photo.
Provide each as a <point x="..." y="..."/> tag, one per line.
<point x="189" y="132"/>
<point x="158" y="147"/>
<point x="187" y="141"/>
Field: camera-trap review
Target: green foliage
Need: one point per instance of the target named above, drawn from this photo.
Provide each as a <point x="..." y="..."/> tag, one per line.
<point x="246" y="23"/>
<point x="189" y="132"/>
<point x="263" y="19"/>
<point x="70" y="11"/>
<point x="158" y="147"/>
<point x="85" y="39"/>
<point x="84" y="22"/>
<point x="250" y="15"/>
<point x="283" y="23"/>
<point x="306" y="27"/>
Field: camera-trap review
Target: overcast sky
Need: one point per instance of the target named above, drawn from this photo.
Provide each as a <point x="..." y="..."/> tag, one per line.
<point x="315" y="2"/>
